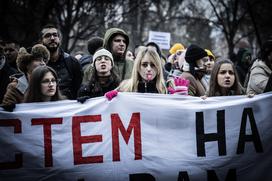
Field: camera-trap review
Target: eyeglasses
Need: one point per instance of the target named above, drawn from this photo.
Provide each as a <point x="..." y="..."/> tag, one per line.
<point x="48" y="82"/>
<point x="49" y="35"/>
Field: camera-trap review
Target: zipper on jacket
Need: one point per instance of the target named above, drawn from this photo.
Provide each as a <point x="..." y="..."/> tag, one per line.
<point x="145" y="85"/>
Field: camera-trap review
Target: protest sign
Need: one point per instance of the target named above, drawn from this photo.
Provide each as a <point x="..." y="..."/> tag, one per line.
<point x="139" y="137"/>
<point x="161" y="38"/>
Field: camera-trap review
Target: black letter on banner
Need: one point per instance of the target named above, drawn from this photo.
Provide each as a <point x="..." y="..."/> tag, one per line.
<point x="220" y="136"/>
<point x="255" y="137"/>
<point x="231" y="176"/>
<point x="183" y="176"/>
<point x="141" y="176"/>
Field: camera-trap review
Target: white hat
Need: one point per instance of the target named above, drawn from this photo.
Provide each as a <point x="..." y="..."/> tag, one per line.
<point x="102" y="52"/>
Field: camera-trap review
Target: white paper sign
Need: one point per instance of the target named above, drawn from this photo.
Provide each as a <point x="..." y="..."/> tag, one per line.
<point x="161" y="38"/>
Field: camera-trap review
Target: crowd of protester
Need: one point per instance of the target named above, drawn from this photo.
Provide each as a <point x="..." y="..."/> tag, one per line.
<point x="46" y="73"/>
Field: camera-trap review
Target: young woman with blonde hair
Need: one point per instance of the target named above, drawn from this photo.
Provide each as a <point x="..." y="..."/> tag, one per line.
<point x="147" y="75"/>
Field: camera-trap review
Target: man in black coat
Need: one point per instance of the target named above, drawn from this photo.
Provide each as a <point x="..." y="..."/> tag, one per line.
<point x="67" y="67"/>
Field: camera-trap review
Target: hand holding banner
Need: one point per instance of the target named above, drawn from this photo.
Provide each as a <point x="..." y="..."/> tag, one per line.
<point x="154" y="137"/>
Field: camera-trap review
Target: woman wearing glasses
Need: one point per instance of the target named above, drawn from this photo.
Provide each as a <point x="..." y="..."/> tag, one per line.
<point x="43" y="86"/>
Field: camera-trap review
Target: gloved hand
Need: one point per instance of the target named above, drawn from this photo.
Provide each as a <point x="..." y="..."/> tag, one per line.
<point x="171" y="90"/>
<point x="180" y="86"/>
<point x="9" y="107"/>
<point x="181" y="90"/>
<point x="111" y="94"/>
<point x="82" y="99"/>
<point x="179" y="81"/>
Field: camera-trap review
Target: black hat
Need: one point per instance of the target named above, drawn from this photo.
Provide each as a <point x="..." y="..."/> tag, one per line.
<point x="194" y="53"/>
<point x="158" y="50"/>
<point x="94" y="44"/>
<point x="23" y="60"/>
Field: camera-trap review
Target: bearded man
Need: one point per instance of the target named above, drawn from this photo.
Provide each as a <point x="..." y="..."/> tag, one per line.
<point x="67" y="67"/>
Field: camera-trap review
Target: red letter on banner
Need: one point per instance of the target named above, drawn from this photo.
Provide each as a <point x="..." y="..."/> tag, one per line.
<point x="78" y="140"/>
<point x="16" y="123"/>
<point x="47" y="122"/>
<point x="117" y="124"/>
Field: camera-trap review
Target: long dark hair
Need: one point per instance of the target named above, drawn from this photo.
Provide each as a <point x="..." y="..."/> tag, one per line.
<point x="96" y="86"/>
<point x="214" y="88"/>
<point x="34" y="93"/>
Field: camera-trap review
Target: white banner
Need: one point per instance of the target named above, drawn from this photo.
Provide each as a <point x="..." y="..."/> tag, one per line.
<point x="139" y="137"/>
<point x="161" y="38"/>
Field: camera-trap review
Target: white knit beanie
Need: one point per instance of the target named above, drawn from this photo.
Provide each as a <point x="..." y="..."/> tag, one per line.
<point x="102" y="52"/>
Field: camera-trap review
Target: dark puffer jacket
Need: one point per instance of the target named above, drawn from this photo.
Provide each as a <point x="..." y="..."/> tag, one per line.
<point x="70" y="74"/>
<point x="99" y="86"/>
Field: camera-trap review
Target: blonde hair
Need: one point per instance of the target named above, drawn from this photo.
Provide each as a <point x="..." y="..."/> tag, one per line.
<point x="131" y="85"/>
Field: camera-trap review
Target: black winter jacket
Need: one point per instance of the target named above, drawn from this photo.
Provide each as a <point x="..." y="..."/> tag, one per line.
<point x="69" y="73"/>
<point x="95" y="89"/>
<point x="147" y="87"/>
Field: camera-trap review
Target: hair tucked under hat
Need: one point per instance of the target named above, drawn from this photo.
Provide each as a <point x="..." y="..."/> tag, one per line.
<point x="23" y="59"/>
<point x="94" y="44"/>
<point x="102" y="52"/>
<point x="210" y="54"/>
<point x="40" y="51"/>
<point x="176" y="47"/>
<point x="194" y="53"/>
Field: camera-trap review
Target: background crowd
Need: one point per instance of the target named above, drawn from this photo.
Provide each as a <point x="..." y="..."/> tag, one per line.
<point x="45" y="72"/>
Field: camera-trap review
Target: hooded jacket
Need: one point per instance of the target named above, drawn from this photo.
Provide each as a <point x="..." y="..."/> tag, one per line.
<point x="122" y="67"/>
<point x="242" y="65"/>
<point x="70" y="74"/>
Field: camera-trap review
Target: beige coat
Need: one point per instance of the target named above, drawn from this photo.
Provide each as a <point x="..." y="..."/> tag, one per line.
<point x="259" y="74"/>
